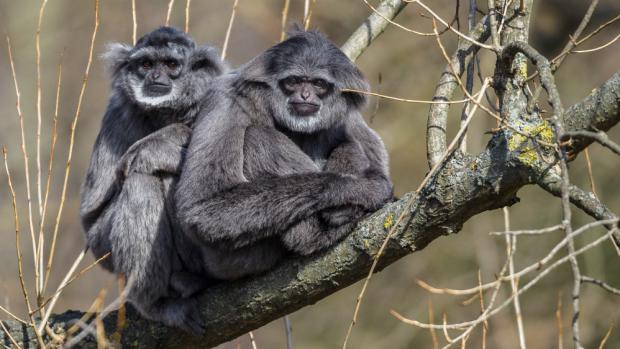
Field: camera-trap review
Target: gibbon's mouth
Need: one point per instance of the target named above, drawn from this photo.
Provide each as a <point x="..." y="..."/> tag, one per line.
<point x="156" y="89"/>
<point x="305" y="109"/>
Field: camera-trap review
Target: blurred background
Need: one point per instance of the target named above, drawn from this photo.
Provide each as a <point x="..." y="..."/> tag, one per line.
<point x="399" y="64"/>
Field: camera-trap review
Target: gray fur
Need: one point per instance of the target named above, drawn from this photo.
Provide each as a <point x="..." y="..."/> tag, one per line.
<point x="126" y="204"/>
<point x="258" y="182"/>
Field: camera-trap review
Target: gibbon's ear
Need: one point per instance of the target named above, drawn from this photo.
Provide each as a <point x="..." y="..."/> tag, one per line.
<point x="116" y="57"/>
<point x="207" y="59"/>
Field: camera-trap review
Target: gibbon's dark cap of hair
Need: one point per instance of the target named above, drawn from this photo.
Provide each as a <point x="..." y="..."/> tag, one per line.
<point x="163" y="36"/>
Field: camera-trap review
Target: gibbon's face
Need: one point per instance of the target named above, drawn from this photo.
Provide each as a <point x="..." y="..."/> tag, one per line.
<point x="305" y="94"/>
<point x="155" y="76"/>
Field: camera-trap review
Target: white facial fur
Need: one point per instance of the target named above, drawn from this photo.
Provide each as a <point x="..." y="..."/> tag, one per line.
<point x="151" y="101"/>
<point x="301" y="123"/>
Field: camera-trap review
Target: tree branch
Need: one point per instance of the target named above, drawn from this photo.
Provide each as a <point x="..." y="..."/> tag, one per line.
<point x="600" y="111"/>
<point x="372" y="27"/>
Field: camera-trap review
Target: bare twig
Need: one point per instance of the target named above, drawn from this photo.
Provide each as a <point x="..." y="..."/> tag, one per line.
<point x="13" y="316"/>
<point x="169" y="12"/>
<point x="26" y="165"/>
<point x="8" y="334"/>
<point x="49" y="169"/>
<point x="20" y="269"/>
<point x="308" y="13"/>
<point x="604" y="340"/>
<point x="38" y="62"/>
<point x="432" y="320"/>
<point x="420" y="101"/>
<point x="511" y="249"/>
<point x="187" y="5"/>
<point x="529" y="232"/>
<point x="72" y="136"/>
<point x="73" y="278"/>
<point x="558" y="319"/>
<point x="63" y="283"/>
<point x="285" y="8"/>
<point x="134" y="21"/>
<point x="230" y="24"/>
<point x="600" y="283"/>
<point x="599" y="136"/>
<point x="252" y="341"/>
<point x="532" y="267"/>
<point x="598" y="48"/>
<point x="288" y="329"/>
<point x="491" y="312"/>
<point x="461" y="35"/>
<point x="493" y="23"/>
<point x="586" y="152"/>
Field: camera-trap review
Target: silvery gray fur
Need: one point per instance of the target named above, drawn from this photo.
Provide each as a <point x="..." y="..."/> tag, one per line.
<point x="126" y="209"/>
<point x="259" y="180"/>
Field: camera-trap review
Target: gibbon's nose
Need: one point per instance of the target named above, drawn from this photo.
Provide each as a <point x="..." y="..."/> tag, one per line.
<point x="305" y="93"/>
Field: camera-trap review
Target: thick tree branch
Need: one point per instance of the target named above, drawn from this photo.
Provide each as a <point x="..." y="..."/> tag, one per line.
<point x="464" y="187"/>
<point x="436" y="126"/>
<point x="600" y="111"/>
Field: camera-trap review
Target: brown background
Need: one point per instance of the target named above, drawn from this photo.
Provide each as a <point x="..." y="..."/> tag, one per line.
<point x="409" y="66"/>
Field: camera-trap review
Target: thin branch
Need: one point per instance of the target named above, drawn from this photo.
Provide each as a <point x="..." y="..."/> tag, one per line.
<point x="431" y="320"/>
<point x="511" y="249"/>
<point x="38" y="63"/>
<point x="26" y="165"/>
<point x="134" y="21"/>
<point x="230" y="24"/>
<point x="599" y="136"/>
<point x="420" y="101"/>
<point x="169" y="12"/>
<point x="600" y="283"/>
<point x="532" y="267"/>
<point x="461" y="35"/>
<point x="288" y="329"/>
<point x="507" y="302"/>
<point x="558" y="318"/>
<point x="76" y="118"/>
<point x="529" y="232"/>
<point x="8" y="334"/>
<point x="63" y="283"/>
<point x="20" y="269"/>
<point x="604" y="340"/>
<point x="187" y="5"/>
<point x="74" y="277"/>
<point x="49" y="168"/>
<point x="284" y="17"/>
<point x="308" y="14"/>
<point x="598" y="48"/>
<point x="586" y="152"/>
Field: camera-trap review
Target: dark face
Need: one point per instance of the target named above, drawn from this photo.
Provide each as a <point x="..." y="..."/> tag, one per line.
<point x="158" y="75"/>
<point x="305" y="94"/>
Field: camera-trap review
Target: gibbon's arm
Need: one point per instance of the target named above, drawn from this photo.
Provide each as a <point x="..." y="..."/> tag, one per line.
<point x="215" y="202"/>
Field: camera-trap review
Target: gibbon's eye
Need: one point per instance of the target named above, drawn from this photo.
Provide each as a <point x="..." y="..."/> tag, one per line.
<point x="321" y="85"/>
<point x="289" y="83"/>
<point x="172" y="64"/>
<point x="146" y="64"/>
